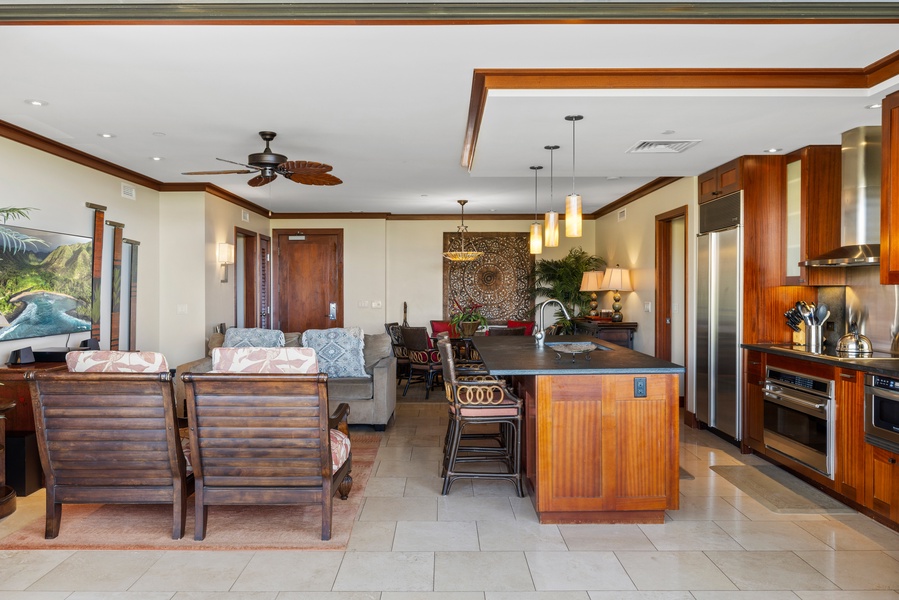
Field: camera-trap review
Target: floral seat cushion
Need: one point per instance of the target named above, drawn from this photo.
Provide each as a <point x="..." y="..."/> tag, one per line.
<point x="288" y="359"/>
<point x="114" y="361"/>
<point x="340" y="448"/>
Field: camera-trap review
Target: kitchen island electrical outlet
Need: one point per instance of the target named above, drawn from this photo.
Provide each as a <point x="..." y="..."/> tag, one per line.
<point x="639" y="387"/>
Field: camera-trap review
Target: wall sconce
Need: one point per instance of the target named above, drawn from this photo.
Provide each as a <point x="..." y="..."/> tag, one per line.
<point x="617" y="280"/>
<point x="225" y="256"/>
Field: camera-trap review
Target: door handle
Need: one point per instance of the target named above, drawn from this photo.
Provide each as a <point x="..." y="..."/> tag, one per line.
<point x="332" y="311"/>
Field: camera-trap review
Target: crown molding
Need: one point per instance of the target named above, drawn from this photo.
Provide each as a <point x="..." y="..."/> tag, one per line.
<point x="456" y="13"/>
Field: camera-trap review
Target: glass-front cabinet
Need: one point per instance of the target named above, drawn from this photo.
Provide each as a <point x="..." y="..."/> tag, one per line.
<point x="812" y="214"/>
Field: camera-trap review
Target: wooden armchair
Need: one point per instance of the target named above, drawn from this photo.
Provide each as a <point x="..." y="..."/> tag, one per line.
<point x="263" y="437"/>
<point x="109" y="435"/>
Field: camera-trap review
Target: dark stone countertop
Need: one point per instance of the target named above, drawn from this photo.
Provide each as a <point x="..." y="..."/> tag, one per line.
<point x="882" y="363"/>
<point x="519" y="355"/>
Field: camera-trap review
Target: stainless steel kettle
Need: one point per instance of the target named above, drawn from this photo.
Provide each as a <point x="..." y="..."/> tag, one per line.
<point x="854" y="343"/>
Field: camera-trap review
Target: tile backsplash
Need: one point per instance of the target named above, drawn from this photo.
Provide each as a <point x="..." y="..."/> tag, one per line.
<point x="875" y="307"/>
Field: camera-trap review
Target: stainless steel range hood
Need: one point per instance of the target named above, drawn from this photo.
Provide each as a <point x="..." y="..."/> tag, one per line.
<point x="860" y="210"/>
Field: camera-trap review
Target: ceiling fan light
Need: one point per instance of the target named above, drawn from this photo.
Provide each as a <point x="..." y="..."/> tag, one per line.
<point x="551" y="229"/>
<point x="573" y="216"/>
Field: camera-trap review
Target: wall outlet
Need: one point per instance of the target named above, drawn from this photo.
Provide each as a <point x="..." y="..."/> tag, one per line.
<point x="647" y="307"/>
<point x="363" y="304"/>
<point x="376" y="304"/>
<point x="639" y="387"/>
<point x="181" y="309"/>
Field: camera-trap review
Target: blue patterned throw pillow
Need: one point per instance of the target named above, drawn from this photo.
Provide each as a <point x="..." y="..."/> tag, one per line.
<point x="240" y="337"/>
<point x="339" y="350"/>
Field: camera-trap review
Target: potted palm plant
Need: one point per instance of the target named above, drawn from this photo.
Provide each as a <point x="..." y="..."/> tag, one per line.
<point x="466" y="319"/>
<point x="561" y="279"/>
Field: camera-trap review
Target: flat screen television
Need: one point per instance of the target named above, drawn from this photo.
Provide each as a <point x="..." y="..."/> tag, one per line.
<point x="45" y="283"/>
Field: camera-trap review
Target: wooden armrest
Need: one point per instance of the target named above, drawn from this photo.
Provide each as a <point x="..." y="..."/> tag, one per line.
<point x="338" y="419"/>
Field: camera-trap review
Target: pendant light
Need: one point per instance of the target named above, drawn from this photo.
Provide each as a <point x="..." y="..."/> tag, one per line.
<point x="573" y="214"/>
<point x="462" y="255"/>
<point x="536" y="227"/>
<point x="551" y="218"/>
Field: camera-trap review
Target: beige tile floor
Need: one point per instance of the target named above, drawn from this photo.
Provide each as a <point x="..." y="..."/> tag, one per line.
<point x="483" y="543"/>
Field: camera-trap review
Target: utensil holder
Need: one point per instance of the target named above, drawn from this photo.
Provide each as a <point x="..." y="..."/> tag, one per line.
<point x="814" y="338"/>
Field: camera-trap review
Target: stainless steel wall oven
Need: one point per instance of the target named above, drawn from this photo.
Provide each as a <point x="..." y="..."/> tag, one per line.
<point x="799" y="420"/>
<point x="882" y="412"/>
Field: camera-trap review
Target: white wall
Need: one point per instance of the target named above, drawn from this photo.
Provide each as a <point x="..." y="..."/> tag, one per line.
<point x="59" y="189"/>
<point x="181" y="286"/>
<point x="631" y="243"/>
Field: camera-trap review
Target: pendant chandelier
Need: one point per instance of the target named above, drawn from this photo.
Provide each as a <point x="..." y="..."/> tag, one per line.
<point x="536" y="238"/>
<point x="573" y="214"/>
<point x="462" y="255"/>
<point x="551" y="218"/>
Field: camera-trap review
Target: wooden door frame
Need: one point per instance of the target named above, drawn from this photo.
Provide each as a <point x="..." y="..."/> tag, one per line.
<point x="663" y="241"/>
<point x="250" y="277"/>
<point x="276" y="269"/>
<point x="260" y="265"/>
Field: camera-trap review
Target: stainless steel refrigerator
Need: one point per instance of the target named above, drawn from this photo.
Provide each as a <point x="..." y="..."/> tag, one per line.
<point x="719" y="314"/>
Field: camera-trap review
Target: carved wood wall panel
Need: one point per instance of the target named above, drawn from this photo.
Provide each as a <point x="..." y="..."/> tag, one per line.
<point x="501" y="279"/>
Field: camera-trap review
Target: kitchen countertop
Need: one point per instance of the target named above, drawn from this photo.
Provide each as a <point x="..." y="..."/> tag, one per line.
<point x="884" y="364"/>
<point x="519" y="355"/>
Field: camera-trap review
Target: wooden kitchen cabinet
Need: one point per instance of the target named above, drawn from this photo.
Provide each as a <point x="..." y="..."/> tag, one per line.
<point x="721" y="181"/>
<point x="812" y="214"/>
<point x="849" y="477"/>
<point x="882" y="482"/>
<point x="889" y="207"/>
<point x="754" y="411"/>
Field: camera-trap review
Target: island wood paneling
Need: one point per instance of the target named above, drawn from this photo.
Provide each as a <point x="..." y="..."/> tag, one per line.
<point x="596" y="453"/>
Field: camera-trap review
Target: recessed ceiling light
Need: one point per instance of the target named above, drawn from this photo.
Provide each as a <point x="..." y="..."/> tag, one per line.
<point x="106" y="135"/>
<point x="773" y="150"/>
<point x="34" y="102"/>
<point x="668" y="132"/>
<point x="158" y="134"/>
<point x="612" y="177"/>
<point x="875" y="105"/>
<point x="157" y="158"/>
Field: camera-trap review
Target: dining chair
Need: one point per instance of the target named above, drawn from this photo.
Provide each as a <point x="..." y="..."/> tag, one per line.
<point x="423" y="359"/>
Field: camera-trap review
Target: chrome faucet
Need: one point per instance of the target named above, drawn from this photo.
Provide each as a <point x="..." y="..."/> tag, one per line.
<point x="540" y="330"/>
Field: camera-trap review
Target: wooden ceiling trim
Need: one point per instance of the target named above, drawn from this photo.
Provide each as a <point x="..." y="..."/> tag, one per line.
<point x="645" y="190"/>
<point x="39" y="142"/>
<point x="443" y="13"/>
<point x="485" y="80"/>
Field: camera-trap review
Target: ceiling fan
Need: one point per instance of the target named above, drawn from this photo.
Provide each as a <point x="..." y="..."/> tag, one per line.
<point x="269" y="165"/>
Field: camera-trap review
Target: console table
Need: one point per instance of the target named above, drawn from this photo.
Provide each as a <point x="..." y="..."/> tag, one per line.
<point x="14" y="388"/>
<point x="617" y="333"/>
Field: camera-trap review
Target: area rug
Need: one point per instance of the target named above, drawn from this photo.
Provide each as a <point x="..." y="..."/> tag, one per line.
<point x="149" y="526"/>
<point x="779" y="491"/>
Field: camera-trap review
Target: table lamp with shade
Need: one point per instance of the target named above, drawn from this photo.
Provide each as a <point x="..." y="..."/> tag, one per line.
<point x="592" y="282"/>
<point x="617" y="280"/>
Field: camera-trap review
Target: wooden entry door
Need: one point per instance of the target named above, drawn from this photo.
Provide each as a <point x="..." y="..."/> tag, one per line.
<point x="309" y="277"/>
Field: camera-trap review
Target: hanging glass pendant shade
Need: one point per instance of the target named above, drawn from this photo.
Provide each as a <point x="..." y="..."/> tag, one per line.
<point x="551" y="218"/>
<point x="573" y="210"/>
<point x="536" y="238"/>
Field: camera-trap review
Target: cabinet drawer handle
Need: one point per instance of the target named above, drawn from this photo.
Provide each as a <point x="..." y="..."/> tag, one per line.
<point x="847" y="376"/>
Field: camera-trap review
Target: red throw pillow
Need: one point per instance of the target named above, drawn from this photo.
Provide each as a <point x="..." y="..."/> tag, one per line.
<point x="528" y="326"/>
<point x="438" y="327"/>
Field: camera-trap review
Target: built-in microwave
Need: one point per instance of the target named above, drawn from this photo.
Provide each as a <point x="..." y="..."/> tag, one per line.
<point x="882" y="411"/>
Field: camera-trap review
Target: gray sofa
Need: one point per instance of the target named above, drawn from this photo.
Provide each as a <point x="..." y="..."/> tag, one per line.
<point x="372" y="399"/>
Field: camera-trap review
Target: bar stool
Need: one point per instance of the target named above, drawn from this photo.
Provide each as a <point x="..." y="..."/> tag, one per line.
<point x="480" y="400"/>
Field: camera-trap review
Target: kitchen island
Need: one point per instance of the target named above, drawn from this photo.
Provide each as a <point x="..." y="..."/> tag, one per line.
<point x="600" y="434"/>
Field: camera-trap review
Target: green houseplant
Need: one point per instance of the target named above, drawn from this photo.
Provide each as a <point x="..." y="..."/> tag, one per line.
<point x="466" y="319"/>
<point x="561" y="279"/>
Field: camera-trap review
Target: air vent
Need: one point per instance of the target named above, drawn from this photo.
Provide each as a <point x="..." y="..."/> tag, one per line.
<point x="128" y="191"/>
<point x="661" y="146"/>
